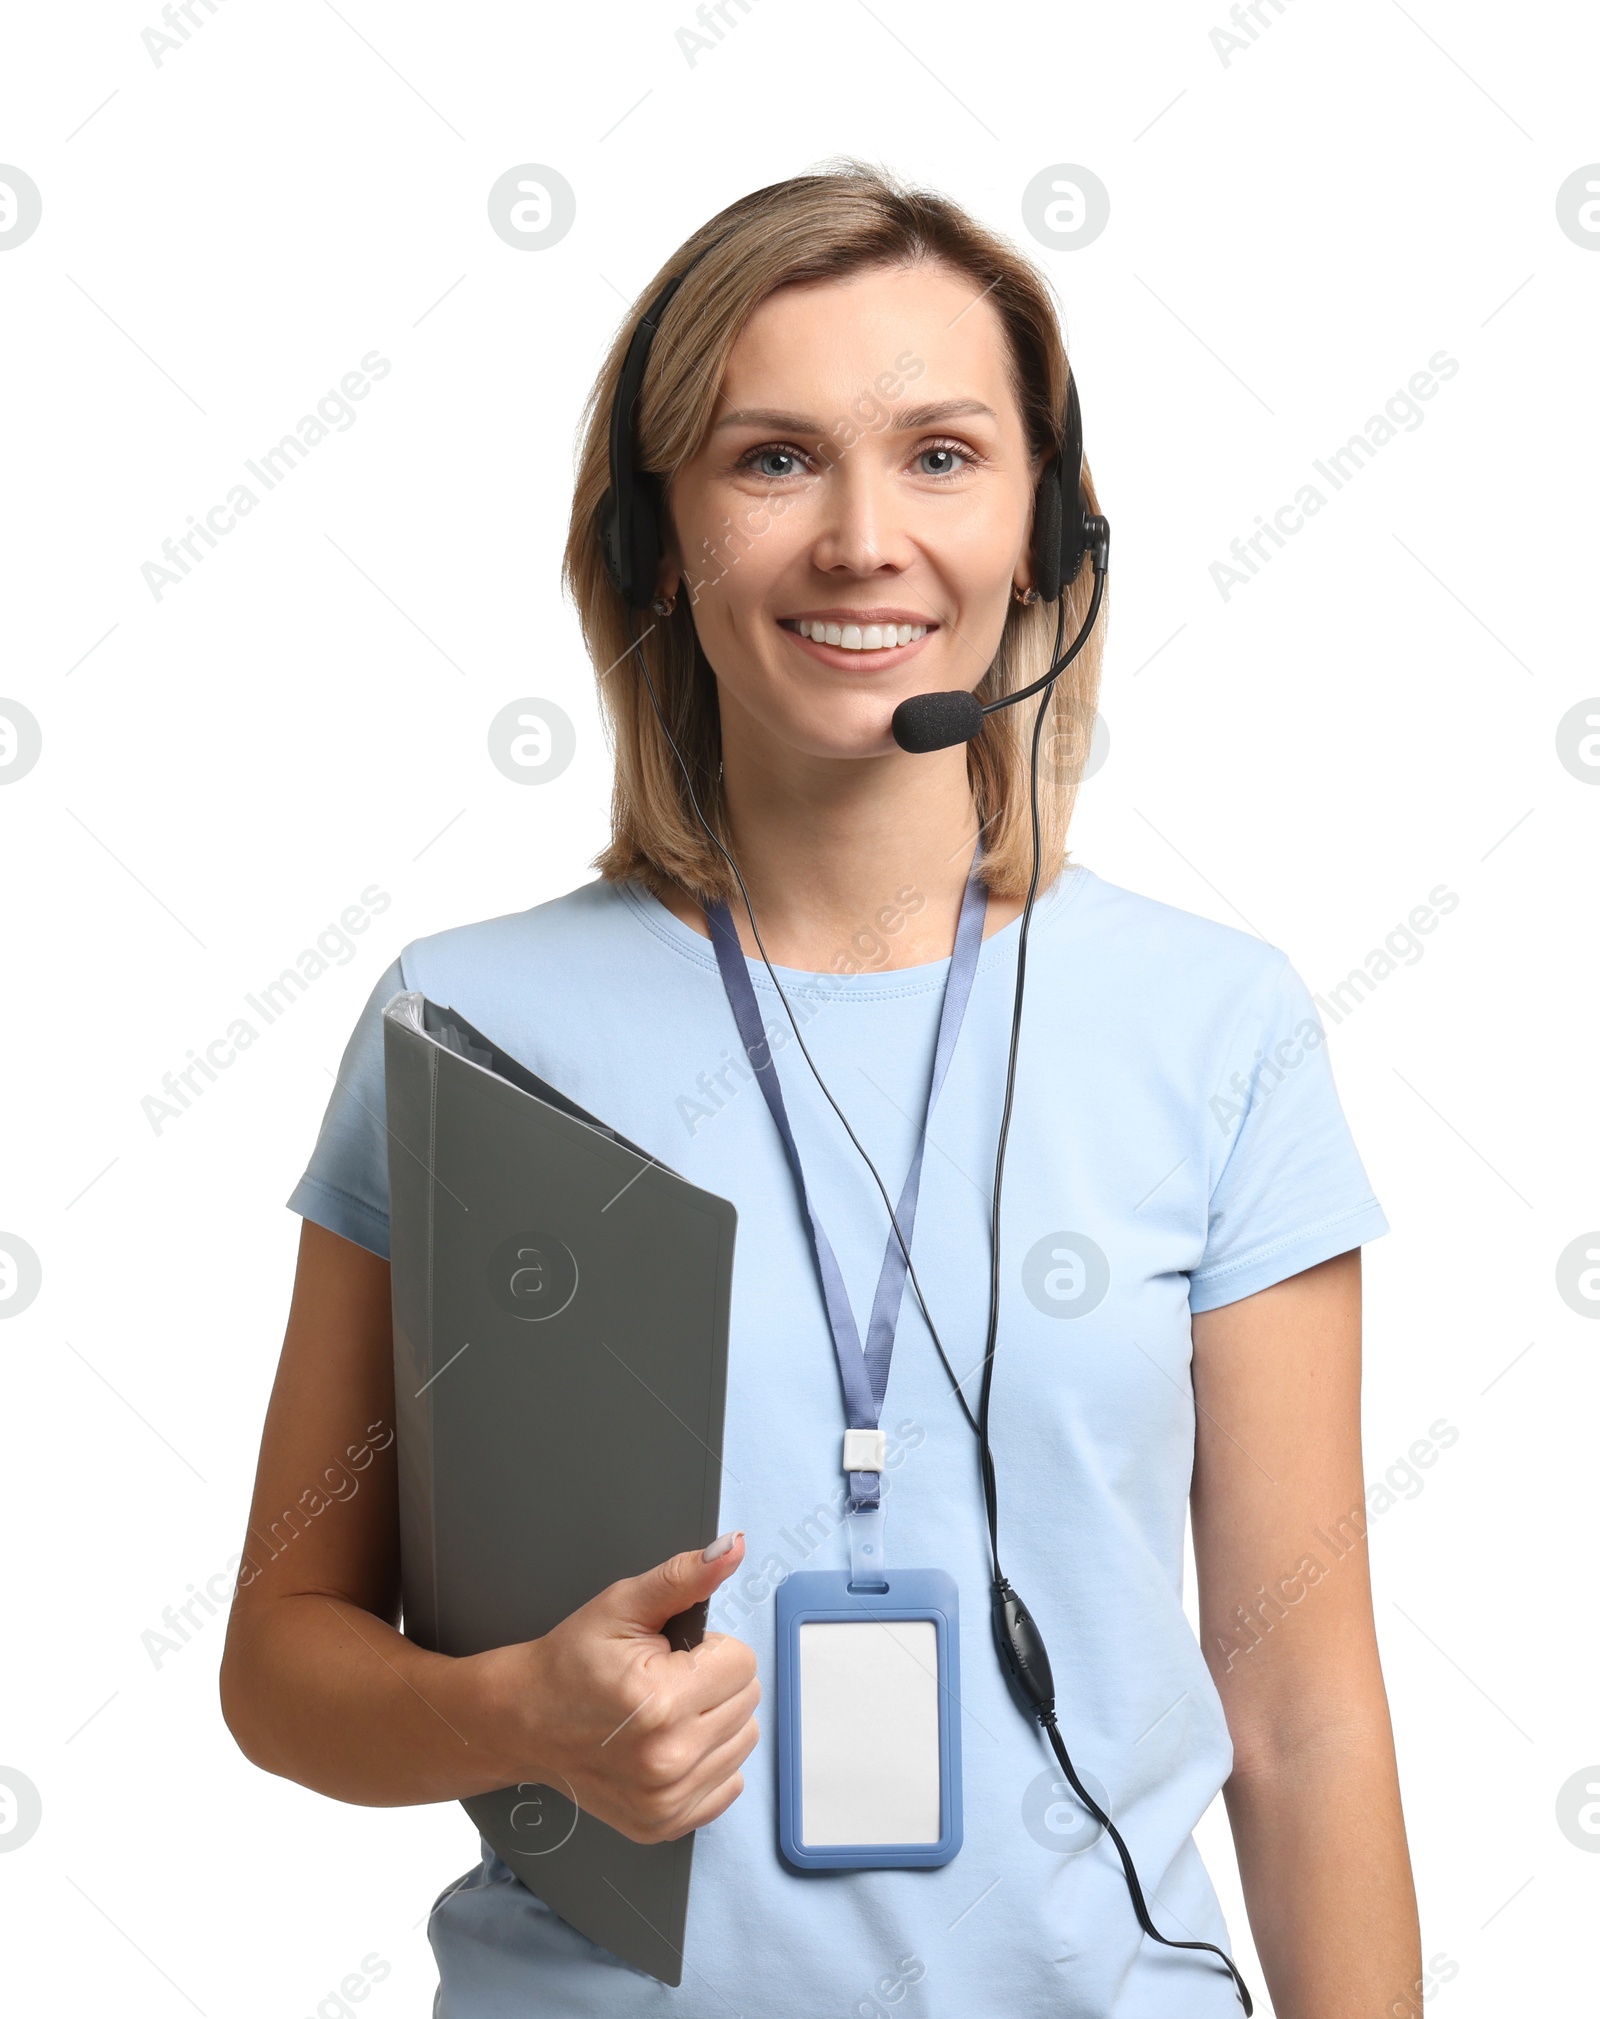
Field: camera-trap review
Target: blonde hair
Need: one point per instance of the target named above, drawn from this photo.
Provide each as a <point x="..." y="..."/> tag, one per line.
<point x="811" y="228"/>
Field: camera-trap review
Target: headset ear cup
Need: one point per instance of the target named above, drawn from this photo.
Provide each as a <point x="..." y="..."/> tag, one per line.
<point x="630" y="537"/>
<point x="1059" y="508"/>
<point x="1069" y="490"/>
<point x="644" y="556"/>
<point x="630" y="518"/>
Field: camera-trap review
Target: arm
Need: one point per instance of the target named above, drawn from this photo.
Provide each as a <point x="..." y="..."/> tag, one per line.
<point x="320" y="1687"/>
<point x="1314" y="1798"/>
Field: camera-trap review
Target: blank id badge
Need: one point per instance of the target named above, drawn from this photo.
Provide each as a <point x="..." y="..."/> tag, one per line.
<point x="869" y="1731"/>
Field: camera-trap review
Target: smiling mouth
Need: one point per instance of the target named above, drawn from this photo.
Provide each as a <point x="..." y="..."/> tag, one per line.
<point x="855" y="637"/>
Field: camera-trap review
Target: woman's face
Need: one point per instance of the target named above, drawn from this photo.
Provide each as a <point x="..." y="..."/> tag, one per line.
<point x="851" y="530"/>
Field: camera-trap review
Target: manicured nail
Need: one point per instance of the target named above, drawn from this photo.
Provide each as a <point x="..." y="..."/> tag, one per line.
<point x="721" y="1546"/>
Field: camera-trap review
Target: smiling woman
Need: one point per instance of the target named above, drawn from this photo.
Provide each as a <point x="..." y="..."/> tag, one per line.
<point x="830" y="467"/>
<point x="851" y="294"/>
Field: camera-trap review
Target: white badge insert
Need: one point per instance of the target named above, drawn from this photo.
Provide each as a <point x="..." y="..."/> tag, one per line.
<point x="869" y="1732"/>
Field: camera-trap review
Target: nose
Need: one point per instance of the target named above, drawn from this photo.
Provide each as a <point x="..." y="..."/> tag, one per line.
<point x="864" y="527"/>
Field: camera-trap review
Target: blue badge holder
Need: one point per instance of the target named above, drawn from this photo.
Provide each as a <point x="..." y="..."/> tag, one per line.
<point x="825" y="1597"/>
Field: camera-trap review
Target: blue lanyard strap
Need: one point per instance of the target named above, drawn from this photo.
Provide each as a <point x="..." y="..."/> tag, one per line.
<point x="863" y="1374"/>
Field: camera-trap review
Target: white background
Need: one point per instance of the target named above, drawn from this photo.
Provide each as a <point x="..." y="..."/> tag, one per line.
<point x="1293" y="233"/>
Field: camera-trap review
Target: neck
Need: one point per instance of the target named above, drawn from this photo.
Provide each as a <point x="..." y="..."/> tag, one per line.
<point x="851" y="863"/>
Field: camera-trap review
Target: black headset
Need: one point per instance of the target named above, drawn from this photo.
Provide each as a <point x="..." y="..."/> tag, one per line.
<point x="630" y="515"/>
<point x="1064" y="530"/>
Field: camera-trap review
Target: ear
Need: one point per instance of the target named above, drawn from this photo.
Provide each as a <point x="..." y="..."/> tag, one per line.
<point x="1022" y="573"/>
<point x="1022" y="579"/>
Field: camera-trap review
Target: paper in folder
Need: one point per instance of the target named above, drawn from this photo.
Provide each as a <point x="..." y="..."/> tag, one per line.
<point x="560" y="1359"/>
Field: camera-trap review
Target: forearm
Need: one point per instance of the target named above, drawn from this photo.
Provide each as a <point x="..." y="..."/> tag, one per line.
<point x="323" y="1693"/>
<point x="1327" y="1877"/>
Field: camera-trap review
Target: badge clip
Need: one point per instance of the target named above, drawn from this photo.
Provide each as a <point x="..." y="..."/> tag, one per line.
<point x="867" y="1560"/>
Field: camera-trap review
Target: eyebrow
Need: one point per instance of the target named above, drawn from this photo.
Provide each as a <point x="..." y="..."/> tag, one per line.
<point x="898" y="417"/>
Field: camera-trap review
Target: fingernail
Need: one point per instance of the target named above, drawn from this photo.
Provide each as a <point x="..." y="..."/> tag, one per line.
<point x="721" y="1546"/>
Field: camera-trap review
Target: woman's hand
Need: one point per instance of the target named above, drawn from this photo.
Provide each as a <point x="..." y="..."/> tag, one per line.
<point x="646" y="1737"/>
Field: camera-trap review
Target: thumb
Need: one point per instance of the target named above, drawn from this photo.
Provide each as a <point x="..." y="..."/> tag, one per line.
<point x="648" y="1601"/>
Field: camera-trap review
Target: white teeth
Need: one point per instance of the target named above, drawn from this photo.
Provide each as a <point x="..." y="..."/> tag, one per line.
<point x="860" y="637"/>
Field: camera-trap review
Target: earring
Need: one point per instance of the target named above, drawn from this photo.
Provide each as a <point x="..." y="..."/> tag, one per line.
<point x="664" y="605"/>
<point x="1024" y="596"/>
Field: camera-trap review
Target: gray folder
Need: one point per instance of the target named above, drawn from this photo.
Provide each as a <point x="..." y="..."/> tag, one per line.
<point x="560" y="1361"/>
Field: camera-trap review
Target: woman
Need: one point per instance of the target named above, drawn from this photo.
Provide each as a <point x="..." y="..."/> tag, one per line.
<point x="850" y="402"/>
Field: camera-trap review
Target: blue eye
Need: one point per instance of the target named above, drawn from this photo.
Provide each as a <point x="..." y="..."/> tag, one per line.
<point x="944" y="460"/>
<point x="774" y="463"/>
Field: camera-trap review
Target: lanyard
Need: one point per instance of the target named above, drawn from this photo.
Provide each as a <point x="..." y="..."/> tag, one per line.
<point x="863" y="1374"/>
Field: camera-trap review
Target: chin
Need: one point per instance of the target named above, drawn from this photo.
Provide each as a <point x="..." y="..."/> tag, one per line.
<point x="859" y="730"/>
<point x="821" y="719"/>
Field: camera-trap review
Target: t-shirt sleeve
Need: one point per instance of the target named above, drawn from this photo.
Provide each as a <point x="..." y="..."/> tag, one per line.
<point x="1290" y="1190"/>
<point x="346" y="1183"/>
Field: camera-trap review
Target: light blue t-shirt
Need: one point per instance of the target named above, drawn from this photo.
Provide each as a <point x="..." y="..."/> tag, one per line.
<point x="1177" y="1143"/>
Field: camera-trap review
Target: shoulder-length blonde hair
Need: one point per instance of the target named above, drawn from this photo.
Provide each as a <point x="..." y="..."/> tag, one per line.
<point x="811" y="228"/>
